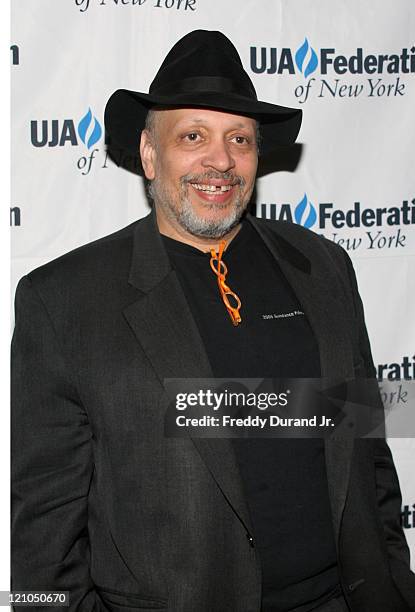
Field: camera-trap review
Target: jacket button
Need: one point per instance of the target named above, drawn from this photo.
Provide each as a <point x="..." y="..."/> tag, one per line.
<point x="250" y="540"/>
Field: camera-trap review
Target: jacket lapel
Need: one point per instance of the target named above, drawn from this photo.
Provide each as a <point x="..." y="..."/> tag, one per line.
<point x="329" y="324"/>
<point x="164" y="326"/>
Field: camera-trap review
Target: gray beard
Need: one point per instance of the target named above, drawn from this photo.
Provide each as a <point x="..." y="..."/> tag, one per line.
<point x="185" y="215"/>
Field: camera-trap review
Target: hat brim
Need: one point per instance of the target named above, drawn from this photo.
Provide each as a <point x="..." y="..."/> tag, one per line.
<point x="126" y="111"/>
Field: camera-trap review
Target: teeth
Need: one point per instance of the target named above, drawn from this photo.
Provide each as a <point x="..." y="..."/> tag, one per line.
<point x="212" y="188"/>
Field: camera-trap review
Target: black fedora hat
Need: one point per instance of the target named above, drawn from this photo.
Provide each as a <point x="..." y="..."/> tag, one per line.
<point x="203" y="69"/>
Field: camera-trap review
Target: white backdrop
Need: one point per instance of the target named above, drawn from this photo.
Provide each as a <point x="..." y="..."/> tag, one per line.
<point x="349" y="64"/>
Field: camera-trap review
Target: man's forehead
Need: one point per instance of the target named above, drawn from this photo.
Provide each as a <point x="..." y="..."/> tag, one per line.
<point x="205" y="116"/>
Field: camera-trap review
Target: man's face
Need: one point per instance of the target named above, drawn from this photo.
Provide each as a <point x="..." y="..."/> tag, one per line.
<point x="202" y="165"/>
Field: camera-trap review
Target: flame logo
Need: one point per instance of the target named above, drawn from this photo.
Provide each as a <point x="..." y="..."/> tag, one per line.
<point x="303" y="207"/>
<point x="301" y="55"/>
<point x="84" y="126"/>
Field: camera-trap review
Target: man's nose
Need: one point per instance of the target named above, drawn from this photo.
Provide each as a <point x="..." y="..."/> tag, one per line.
<point x="219" y="156"/>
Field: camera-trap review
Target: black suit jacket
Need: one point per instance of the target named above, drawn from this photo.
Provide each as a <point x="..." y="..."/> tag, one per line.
<point x="104" y="505"/>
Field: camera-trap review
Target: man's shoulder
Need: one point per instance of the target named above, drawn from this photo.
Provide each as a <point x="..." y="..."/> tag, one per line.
<point x="305" y="240"/>
<point x="313" y="254"/>
<point x="99" y="259"/>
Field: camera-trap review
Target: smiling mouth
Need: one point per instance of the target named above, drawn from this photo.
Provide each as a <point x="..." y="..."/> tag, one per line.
<point x="212" y="188"/>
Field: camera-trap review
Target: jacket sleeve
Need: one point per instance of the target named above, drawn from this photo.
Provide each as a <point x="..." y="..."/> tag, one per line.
<point x="387" y="484"/>
<point x="52" y="463"/>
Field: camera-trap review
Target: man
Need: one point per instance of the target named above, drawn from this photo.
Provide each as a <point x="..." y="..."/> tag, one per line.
<point x="106" y="506"/>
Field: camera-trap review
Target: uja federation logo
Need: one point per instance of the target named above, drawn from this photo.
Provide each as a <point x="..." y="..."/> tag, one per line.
<point x="69" y="132"/>
<point x="376" y="70"/>
<point x="354" y="228"/>
<point x="86" y="131"/>
<point x="304" y="213"/>
<point x="59" y="133"/>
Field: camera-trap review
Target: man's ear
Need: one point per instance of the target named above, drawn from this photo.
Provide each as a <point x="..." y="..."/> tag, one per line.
<point x="148" y="155"/>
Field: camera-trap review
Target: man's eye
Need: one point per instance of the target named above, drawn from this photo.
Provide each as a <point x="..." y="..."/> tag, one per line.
<point x="241" y="139"/>
<point x="193" y="136"/>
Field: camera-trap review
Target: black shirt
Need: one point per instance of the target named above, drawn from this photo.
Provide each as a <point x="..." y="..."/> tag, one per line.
<point x="285" y="481"/>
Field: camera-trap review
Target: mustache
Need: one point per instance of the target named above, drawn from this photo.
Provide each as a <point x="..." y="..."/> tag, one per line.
<point x="212" y="174"/>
